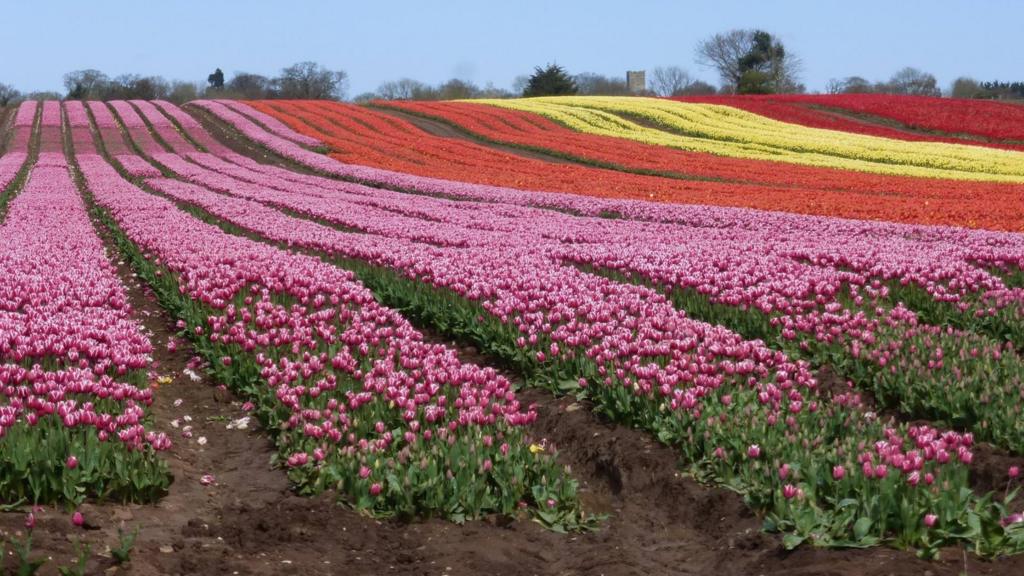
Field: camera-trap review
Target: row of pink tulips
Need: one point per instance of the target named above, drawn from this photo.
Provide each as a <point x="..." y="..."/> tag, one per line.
<point x="24" y="122"/>
<point x="270" y="123"/>
<point x="110" y="132"/>
<point x="79" y="125"/>
<point x="362" y="404"/>
<point x="73" y="361"/>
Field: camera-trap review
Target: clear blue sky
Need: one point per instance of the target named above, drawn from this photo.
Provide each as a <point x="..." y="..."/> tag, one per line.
<point x="486" y="41"/>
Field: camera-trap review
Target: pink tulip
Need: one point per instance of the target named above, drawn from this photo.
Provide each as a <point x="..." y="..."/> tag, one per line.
<point x="838" y="472"/>
<point x="1012" y="519"/>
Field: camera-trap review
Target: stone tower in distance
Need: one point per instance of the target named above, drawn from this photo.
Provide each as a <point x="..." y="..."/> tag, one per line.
<point x="636" y="80"/>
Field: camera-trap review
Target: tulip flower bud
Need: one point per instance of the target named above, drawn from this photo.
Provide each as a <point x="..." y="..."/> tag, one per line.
<point x="838" y="472"/>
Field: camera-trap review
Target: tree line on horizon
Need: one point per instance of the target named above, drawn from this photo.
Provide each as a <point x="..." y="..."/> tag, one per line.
<point x="748" y="61"/>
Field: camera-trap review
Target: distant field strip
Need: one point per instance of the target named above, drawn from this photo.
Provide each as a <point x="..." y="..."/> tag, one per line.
<point x="736" y="133"/>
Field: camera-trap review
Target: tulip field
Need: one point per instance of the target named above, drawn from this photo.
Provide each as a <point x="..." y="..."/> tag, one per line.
<point x="975" y="122"/>
<point x="812" y="304"/>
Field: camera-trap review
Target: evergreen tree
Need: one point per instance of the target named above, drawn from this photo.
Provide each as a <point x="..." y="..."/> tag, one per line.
<point x="216" y="79"/>
<point x="550" y="81"/>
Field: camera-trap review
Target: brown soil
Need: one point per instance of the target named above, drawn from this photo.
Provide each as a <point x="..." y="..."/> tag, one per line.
<point x="445" y="130"/>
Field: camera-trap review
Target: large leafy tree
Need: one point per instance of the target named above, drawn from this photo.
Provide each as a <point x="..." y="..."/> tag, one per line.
<point x="550" y="81"/>
<point x="751" y="61"/>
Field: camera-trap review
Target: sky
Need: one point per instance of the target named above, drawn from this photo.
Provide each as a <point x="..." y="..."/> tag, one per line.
<point x="495" y="41"/>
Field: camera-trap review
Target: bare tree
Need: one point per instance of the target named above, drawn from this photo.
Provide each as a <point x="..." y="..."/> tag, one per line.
<point x="402" y="89"/>
<point x="135" y="86"/>
<point x="593" y="84"/>
<point x="86" y="84"/>
<point x="670" y="81"/>
<point x="456" y="89"/>
<point x="858" y="85"/>
<point x="181" y="91"/>
<point x="785" y="71"/>
<point x="251" y="86"/>
<point x="913" y="81"/>
<point x="697" y="88"/>
<point x="723" y="52"/>
<point x="852" y="85"/>
<point x="964" y="87"/>
<point x="8" y="94"/>
<point x="519" y="83"/>
<point x="45" y="95"/>
<point x="311" y="81"/>
<point x="364" y="97"/>
<point x="492" y="91"/>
